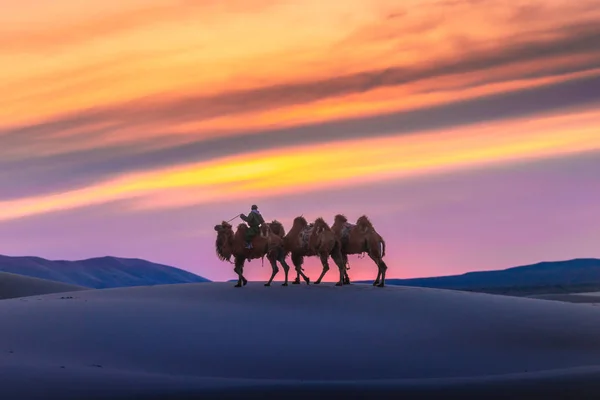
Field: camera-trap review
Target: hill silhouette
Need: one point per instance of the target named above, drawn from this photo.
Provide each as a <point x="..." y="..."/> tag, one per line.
<point x="99" y="273"/>
<point x="582" y="274"/>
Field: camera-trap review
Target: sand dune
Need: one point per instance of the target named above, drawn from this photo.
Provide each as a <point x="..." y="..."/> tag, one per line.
<point x="13" y="285"/>
<point x="211" y="340"/>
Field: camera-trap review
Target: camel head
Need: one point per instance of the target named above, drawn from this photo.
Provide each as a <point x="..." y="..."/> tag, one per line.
<point x="223" y="226"/>
<point x="224" y="241"/>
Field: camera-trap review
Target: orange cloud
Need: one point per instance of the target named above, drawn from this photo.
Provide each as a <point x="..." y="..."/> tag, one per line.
<point x="161" y="49"/>
<point x="419" y="95"/>
<point x="58" y="34"/>
<point x="150" y="75"/>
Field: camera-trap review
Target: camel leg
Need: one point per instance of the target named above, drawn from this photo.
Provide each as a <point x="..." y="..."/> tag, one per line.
<point x="297" y="280"/>
<point x="298" y="273"/>
<point x="382" y="268"/>
<point x="342" y="281"/>
<point x="376" y="282"/>
<point x="298" y="268"/>
<point x="244" y="280"/>
<point x="343" y="264"/>
<point x="239" y="265"/>
<point x="305" y="277"/>
<point x="239" y="282"/>
<point x="286" y="268"/>
<point x="273" y="261"/>
<point x="298" y="260"/>
<point x="339" y="260"/>
<point x="341" y="269"/>
<point x="325" y="263"/>
<point x="375" y="259"/>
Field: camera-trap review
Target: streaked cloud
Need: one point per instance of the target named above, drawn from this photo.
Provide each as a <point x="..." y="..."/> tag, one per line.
<point x="131" y="15"/>
<point x="314" y="167"/>
<point x="27" y="174"/>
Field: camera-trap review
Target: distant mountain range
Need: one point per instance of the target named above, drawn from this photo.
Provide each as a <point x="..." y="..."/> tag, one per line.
<point x="581" y="274"/>
<point x="575" y="275"/>
<point x="99" y="273"/>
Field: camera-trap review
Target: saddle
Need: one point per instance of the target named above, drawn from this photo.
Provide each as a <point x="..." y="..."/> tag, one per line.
<point x="305" y="235"/>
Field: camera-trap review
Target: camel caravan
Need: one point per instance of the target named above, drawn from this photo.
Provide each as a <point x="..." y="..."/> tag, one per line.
<point x="259" y="239"/>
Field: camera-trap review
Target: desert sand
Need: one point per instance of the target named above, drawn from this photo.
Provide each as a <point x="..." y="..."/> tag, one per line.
<point x="213" y="341"/>
<point x="13" y="285"/>
<point x="587" y="297"/>
<point x="588" y="294"/>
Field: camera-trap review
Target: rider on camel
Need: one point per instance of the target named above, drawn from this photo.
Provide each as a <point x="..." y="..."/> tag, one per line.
<point x="254" y="221"/>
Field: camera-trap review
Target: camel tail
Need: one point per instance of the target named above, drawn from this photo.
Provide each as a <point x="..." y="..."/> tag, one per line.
<point x="382" y="248"/>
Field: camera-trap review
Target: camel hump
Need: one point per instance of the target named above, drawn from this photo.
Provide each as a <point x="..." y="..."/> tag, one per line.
<point x="300" y="221"/>
<point x="364" y="224"/>
<point x="265" y="230"/>
<point x="340" y="218"/>
<point x="276" y="228"/>
<point x="321" y="225"/>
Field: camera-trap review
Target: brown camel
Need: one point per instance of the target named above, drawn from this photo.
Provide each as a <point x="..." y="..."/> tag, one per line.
<point x="316" y="239"/>
<point x="361" y="238"/>
<point x="277" y="228"/>
<point x="267" y="243"/>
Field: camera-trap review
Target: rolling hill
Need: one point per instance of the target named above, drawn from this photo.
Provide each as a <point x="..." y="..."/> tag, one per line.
<point x="99" y="273"/>
<point x="545" y="277"/>
<point x="179" y="342"/>
<point x="13" y="285"/>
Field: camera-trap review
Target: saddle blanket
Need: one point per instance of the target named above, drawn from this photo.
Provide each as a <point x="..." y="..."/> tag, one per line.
<point x="305" y="235"/>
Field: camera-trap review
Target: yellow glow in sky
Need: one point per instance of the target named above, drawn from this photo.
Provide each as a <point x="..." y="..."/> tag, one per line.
<point x="286" y="171"/>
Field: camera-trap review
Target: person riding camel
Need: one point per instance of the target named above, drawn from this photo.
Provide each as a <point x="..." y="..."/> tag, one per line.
<point x="254" y="221"/>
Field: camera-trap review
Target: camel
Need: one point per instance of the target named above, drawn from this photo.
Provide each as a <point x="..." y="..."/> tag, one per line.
<point x="277" y="228"/>
<point x="316" y="239"/>
<point x="267" y="243"/>
<point x="361" y="238"/>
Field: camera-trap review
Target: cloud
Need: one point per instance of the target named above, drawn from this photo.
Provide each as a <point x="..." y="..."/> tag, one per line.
<point x="275" y="76"/>
<point x="88" y="166"/>
<point x="280" y="171"/>
<point x="104" y="25"/>
<point x="571" y="41"/>
<point x="74" y="151"/>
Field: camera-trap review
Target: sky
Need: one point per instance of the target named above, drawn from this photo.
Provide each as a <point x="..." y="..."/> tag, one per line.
<point x="468" y="131"/>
